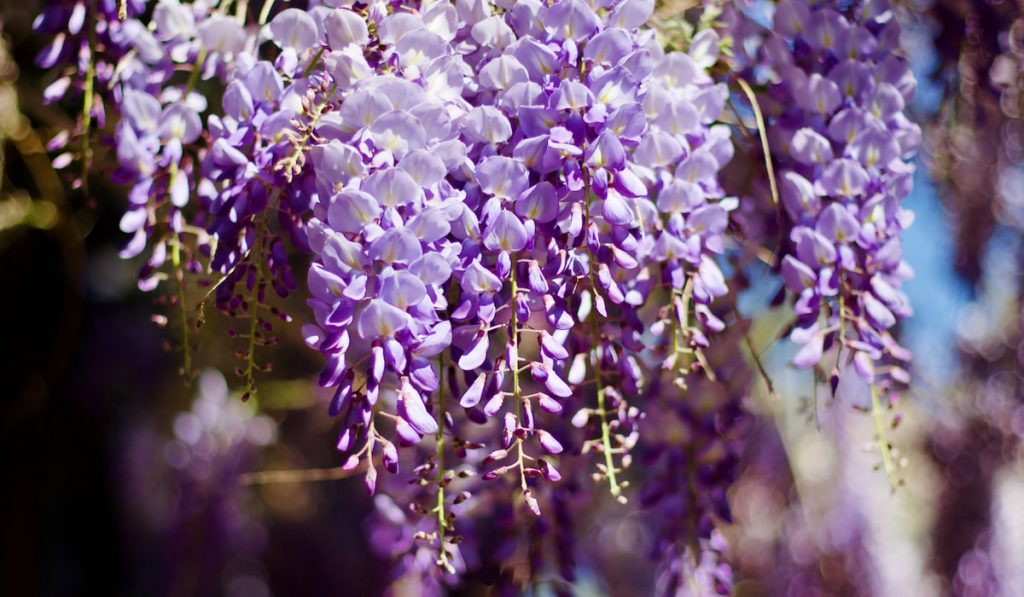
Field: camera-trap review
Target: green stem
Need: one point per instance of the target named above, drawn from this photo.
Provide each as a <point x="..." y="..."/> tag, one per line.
<point x="257" y="262"/>
<point x="89" y="92"/>
<point x="606" y="434"/>
<point x="883" y="443"/>
<point x="683" y="321"/>
<point x="313" y="62"/>
<point x="442" y="523"/>
<point x="842" y="323"/>
<point x="292" y="161"/>
<point x="756" y="357"/>
<point x="265" y="12"/>
<point x="516" y="390"/>
<point x="193" y="78"/>
<point x="179" y="275"/>
<point x="762" y="131"/>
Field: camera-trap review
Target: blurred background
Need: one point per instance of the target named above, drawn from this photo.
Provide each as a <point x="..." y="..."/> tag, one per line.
<point x="122" y="477"/>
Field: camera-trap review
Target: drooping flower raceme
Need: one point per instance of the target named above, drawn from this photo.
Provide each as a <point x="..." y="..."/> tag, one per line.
<point x="837" y="93"/>
<point x="531" y="213"/>
<point x="382" y="233"/>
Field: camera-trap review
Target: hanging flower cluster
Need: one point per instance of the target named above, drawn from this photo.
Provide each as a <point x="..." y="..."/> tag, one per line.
<point x="837" y="92"/>
<point x="515" y="225"/>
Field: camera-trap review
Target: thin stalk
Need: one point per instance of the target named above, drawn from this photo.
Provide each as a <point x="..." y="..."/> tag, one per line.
<point x="679" y="331"/>
<point x="739" y="119"/>
<point x="254" y="295"/>
<point x="842" y="323"/>
<point x="763" y="133"/>
<point x="193" y="78"/>
<point x="883" y="443"/>
<point x="312" y="63"/>
<point x="757" y="359"/>
<point x="516" y="390"/>
<point x="606" y="439"/>
<point x="298" y="475"/>
<point x="265" y="12"/>
<point x="179" y="277"/>
<point x="606" y="436"/>
<point x="442" y="523"/>
<point x="87" y="101"/>
<point x="292" y="161"/>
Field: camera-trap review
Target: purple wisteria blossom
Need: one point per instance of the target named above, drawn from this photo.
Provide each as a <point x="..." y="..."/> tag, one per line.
<point x="841" y="138"/>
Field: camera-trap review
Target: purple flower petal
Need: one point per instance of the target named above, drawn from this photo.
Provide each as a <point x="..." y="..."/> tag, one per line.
<point x="351" y="210"/>
<point x="844" y="178"/>
<point x="810" y="354"/>
<point x="540" y="203"/>
<point x="550" y="379"/>
<point x="474" y="392"/>
<point x="476" y="279"/>
<point x="344" y="27"/>
<point x="397" y="245"/>
<point x="798" y="275"/>
<point x="837" y="224"/>
<point x="412" y="409"/>
<point x="402" y="289"/>
<point x="810" y="147"/>
<point x="295" y="29"/>
<point x="476" y="353"/>
<point x="381" y="320"/>
<point x="502" y="177"/>
<point x="618" y="211"/>
<point x="506" y="233"/>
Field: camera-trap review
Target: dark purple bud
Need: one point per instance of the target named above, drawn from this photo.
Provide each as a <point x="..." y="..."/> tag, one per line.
<point x="509" y="425"/>
<point x="552" y="347"/>
<point x="496" y="455"/>
<point x="491" y="475"/>
<point x="476" y="415"/>
<point x="493" y="406"/>
<point x="390" y="457"/>
<point x="340" y="401"/>
<point x="422" y="375"/>
<point x="522" y="306"/>
<point x="548" y="442"/>
<point x="528" y="421"/>
<point x="549" y="404"/>
<point x="346" y="439"/>
<point x="548" y="470"/>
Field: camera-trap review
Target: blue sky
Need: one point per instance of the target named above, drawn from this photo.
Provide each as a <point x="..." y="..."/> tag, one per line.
<point x="936" y="292"/>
